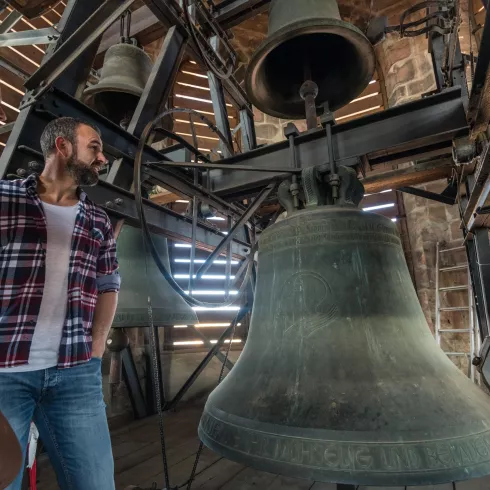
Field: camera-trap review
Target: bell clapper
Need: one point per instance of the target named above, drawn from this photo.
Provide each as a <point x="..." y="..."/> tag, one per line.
<point x="309" y="93"/>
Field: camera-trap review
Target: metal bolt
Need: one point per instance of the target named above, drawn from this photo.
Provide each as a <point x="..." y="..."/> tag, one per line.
<point x="21" y="172"/>
<point x="119" y="201"/>
<point x="109" y="204"/>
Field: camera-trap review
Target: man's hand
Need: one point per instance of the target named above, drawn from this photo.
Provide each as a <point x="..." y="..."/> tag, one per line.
<point x="103" y="317"/>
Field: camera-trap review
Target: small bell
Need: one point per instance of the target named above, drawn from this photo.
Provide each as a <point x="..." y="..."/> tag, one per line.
<point x="123" y="78"/>
<point x="141" y="278"/>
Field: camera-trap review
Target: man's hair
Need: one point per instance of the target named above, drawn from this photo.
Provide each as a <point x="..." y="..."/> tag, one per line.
<point x="65" y="127"/>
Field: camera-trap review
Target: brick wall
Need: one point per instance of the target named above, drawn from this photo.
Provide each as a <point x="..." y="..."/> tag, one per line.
<point x="408" y="74"/>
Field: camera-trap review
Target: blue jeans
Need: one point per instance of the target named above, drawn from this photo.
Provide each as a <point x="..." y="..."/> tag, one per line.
<point x="68" y="409"/>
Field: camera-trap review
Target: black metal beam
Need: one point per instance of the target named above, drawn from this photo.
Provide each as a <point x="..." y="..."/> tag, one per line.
<point x="251" y="210"/>
<point x="121" y="204"/>
<point x="219" y="105"/>
<point x="170" y="14"/>
<point x="118" y="143"/>
<point x="479" y="192"/>
<point x="247" y="126"/>
<point x="71" y="82"/>
<point x="230" y="13"/>
<point x="131" y="379"/>
<point x="207" y="343"/>
<point x="427" y="195"/>
<point x="479" y="104"/>
<point x="415" y="125"/>
<point x="161" y="81"/>
<point x="478" y="251"/>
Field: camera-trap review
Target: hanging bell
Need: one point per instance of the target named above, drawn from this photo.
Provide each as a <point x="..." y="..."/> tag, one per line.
<point x="340" y="379"/>
<point x="308" y="41"/>
<point x="140" y="279"/>
<point x="123" y="78"/>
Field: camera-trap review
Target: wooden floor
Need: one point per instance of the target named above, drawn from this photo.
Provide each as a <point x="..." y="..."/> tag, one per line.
<point x="138" y="461"/>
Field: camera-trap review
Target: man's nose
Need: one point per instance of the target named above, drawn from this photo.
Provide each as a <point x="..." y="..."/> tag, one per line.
<point x="102" y="159"/>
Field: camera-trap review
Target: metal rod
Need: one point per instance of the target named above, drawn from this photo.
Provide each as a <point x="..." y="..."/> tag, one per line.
<point x="195" y="204"/>
<point x="219" y="166"/>
<point x="10" y="21"/>
<point x="47" y="35"/>
<point x="228" y="262"/>
<point x="250" y="211"/>
<point x="192" y="378"/>
<point x="6" y="128"/>
<point x="131" y="379"/>
<point x="13" y="69"/>
<point x="219" y="355"/>
<point x="438" y="311"/>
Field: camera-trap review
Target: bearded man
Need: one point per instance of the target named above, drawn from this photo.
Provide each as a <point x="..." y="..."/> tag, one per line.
<point x="59" y="282"/>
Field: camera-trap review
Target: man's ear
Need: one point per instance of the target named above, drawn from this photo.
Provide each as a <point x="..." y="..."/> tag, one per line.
<point x="62" y="146"/>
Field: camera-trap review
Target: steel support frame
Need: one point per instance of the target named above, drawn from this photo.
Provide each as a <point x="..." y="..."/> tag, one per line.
<point x="219" y="105"/>
<point x="170" y="14"/>
<point x="206" y="360"/>
<point x="10" y="21"/>
<point x="416" y="126"/>
<point x="47" y="35"/>
<point x="230" y="13"/>
<point x="478" y="252"/>
<point x="427" y="195"/>
<point x="479" y="103"/>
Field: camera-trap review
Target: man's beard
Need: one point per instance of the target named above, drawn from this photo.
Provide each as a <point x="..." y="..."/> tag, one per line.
<point x="83" y="175"/>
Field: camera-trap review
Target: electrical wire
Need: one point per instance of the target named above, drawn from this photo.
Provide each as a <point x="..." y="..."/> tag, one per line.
<point x="144" y="224"/>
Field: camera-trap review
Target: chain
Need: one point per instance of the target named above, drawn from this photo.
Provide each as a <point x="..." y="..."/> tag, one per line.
<point x="156" y="387"/>
<point x="125" y="27"/>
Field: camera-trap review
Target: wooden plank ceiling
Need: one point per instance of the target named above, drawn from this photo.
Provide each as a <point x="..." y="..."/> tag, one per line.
<point x="25" y="58"/>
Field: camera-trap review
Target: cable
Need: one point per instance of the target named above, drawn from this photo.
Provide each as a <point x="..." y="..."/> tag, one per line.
<point x="144" y="225"/>
<point x="204" y="55"/>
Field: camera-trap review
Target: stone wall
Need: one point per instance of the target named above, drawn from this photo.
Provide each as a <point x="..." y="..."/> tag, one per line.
<point x="407" y="70"/>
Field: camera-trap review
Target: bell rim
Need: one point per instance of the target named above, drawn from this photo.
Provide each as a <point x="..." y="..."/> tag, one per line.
<point x="316" y="26"/>
<point x="120" y="88"/>
<point x="407" y="477"/>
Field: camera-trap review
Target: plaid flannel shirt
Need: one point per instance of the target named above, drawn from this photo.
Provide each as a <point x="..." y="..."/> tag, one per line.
<point x="92" y="271"/>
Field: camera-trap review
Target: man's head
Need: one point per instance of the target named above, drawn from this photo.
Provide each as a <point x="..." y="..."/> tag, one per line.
<point x="77" y="146"/>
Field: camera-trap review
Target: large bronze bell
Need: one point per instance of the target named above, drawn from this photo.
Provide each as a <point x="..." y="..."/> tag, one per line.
<point x="123" y="78"/>
<point x="340" y="379"/>
<point x="308" y="41"/>
<point x="140" y="278"/>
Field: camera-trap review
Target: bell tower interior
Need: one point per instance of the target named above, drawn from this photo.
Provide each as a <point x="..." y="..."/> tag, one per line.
<point x="300" y="191"/>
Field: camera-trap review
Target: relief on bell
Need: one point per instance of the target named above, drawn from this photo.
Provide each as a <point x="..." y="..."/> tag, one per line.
<point x="306" y="306"/>
<point x="341" y="379"/>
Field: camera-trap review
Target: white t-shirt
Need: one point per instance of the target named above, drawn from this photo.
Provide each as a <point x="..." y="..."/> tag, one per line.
<point x="49" y="328"/>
